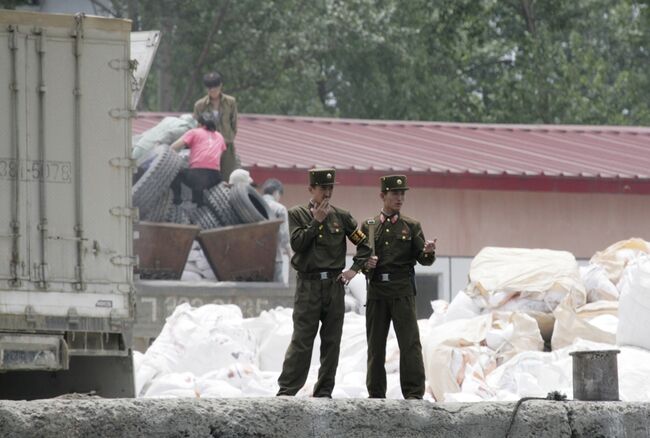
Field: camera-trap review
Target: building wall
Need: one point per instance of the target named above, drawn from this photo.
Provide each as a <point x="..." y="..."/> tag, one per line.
<point x="464" y="221"/>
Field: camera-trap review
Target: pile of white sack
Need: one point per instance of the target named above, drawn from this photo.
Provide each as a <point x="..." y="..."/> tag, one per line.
<point x="487" y="344"/>
<point x="197" y="267"/>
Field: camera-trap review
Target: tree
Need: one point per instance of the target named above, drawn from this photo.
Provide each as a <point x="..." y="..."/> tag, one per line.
<point x="517" y="61"/>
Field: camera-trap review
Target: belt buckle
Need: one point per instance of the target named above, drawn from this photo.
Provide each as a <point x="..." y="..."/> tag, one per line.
<point x="385" y="276"/>
<point x="324" y="275"/>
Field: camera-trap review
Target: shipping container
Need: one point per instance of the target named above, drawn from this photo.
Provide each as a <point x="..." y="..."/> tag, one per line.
<point x="66" y="260"/>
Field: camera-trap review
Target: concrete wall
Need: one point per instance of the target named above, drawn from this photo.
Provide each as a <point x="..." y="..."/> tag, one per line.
<point x="291" y="417"/>
<point x="464" y="221"/>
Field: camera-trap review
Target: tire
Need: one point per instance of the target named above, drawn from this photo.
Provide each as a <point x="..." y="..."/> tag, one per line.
<point x="217" y="198"/>
<point x="161" y="209"/>
<point x="156" y="180"/>
<point x="176" y="214"/>
<point x="248" y="204"/>
<point x="204" y="218"/>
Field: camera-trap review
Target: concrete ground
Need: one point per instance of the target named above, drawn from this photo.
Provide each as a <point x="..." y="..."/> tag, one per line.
<point x="293" y="417"/>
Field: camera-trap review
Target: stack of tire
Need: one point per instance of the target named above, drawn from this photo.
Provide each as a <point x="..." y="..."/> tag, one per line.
<point x="151" y="194"/>
<point x="230" y="205"/>
<point x="224" y="204"/>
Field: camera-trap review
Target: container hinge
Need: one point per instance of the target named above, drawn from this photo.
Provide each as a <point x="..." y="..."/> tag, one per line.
<point x="118" y="113"/>
<point x="132" y="212"/>
<point x="13" y="45"/>
<point x="127" y="162"/>
<point x="30" y="314"/>
<point x="40" y="274"/>
<point x="40" y="42"/>
<point x="153" y="39"/>
<point x="123" y="64"/>
<point x="73" y="316"/>
<point x="125" y="260"/>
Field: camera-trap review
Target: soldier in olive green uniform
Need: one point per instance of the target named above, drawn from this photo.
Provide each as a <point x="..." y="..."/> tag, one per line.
<point x="318" y="231"/>
<point x="398" y="244"/>
<point x="224" y="108"/>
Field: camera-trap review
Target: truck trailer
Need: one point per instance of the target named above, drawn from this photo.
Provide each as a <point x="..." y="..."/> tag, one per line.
<point x="68" y="88"/>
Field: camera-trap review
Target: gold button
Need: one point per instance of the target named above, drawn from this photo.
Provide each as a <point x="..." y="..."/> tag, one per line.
<point x="386" y="243"/>
<point x="320" y="235"/>
<point x="403" y="237"/>
<point x="387" y="230"/>
<point x="337" y="230"/>
<point x="320" y="227"/>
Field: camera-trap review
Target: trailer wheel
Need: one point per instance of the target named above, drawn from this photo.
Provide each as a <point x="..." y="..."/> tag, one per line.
<point x="248" y="204"/>
<point x="218" y="200"/>
<point x="156" y="180"/>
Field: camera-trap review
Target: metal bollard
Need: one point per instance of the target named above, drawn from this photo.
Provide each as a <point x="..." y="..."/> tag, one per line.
<point x="595" y="375"/>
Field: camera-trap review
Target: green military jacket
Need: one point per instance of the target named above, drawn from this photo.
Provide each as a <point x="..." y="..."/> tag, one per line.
<point x="227" y="122"/>
<point x="398" y="247"/>
<point x="321" y="246"/>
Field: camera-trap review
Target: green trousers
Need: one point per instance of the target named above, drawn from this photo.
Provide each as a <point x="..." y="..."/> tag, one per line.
<point x="315" y="301"/>
<point x="379" y="314"/>
<point x="229" y="161"/>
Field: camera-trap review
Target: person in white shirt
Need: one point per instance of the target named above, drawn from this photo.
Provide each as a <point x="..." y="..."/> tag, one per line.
<point x="272" y="191"/>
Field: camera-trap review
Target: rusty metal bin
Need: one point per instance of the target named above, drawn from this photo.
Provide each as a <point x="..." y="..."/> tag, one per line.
<point x="162" y="248"/>
<point x="242" y="252"/>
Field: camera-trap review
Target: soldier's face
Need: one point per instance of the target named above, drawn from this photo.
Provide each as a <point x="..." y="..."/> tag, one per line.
<point x="214" y="92"/>
<point x="393" y="200"/>
<point x="320" y="193"/>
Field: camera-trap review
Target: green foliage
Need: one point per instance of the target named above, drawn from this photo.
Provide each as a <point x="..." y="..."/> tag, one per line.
<point x="502" y="61"/>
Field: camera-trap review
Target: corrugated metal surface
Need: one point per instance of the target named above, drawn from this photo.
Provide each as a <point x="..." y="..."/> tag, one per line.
<point x="282" y="143"/>
<point x="549" y="158"/>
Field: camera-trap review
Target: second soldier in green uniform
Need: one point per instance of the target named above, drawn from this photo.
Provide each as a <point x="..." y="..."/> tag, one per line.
<point x="398" y="243"/>
<point x="318" y="238"/>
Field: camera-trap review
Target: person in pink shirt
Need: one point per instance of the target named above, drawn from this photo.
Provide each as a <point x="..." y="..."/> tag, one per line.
<point x="206" y="146"/>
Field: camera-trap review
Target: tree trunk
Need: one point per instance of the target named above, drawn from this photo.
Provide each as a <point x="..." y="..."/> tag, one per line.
<point x="164" y="57"/>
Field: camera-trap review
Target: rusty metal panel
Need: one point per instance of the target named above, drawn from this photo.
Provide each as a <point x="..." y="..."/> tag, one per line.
<point x="242" y="252"/>
<point x="162" y="248"/>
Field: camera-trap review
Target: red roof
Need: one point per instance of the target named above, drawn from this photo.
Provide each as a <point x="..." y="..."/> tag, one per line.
<point x="461" y="155"/>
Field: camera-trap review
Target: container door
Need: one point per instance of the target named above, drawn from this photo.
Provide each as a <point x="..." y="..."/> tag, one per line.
<point x="14" y="252"/>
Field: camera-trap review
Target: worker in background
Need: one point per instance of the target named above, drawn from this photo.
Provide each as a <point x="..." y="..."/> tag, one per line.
<point x="224" y="108"/>
<point x="240" y="176"/>
<point x="318" y="232"/>
<point x="272" y="191"/>
<point x="398" y="243"/>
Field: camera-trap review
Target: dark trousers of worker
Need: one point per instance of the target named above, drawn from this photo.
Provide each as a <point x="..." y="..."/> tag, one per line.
<point x="315" y="301"/>
<point x="379" y="314"/>
<point x="197" y="180"/>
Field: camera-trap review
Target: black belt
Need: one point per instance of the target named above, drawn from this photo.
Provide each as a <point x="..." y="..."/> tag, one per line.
<point x="323" y="275"/>
<point x="385" y="277"/>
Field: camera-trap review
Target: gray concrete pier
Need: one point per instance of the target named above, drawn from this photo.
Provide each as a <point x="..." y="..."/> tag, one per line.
<point x="295" y="417"/>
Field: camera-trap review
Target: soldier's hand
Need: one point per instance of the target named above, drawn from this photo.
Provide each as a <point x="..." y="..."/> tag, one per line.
<point x="430" y="245"/>
<point x="372" y="262"/>
<point x="321" y="212"/>
<point x="346" y="276"/>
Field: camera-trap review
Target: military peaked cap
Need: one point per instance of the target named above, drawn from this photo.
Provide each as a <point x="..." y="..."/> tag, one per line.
<point x="322" y="177"/>
<point x="393" y="182"/>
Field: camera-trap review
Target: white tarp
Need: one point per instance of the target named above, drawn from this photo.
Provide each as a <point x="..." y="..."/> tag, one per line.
<point x="615" y="257"/>
<point x="535" y="374"/>
<point x="524" y="279"/>
<point x="167" y="131"/>
<point x="460" y="353"/>
<point x="593" y="322"/>
<point x="634" y="304"/>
